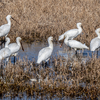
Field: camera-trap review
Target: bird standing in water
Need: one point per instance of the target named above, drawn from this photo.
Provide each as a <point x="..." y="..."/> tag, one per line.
<point x="45" y="53"/>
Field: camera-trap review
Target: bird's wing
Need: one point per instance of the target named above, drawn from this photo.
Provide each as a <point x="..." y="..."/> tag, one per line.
<point x="44" y="51"/>
<point x="44" y="54"/>
<point x="3" y="27"/>
<point x="94" y="44"/>
<point x="71" y="33"/>
<point x="14" y="47"/>
<point x="76" y="44"/>
<point x="5" y="52"/>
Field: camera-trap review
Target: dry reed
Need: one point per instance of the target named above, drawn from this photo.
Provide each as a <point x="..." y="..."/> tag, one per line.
<point x="40" y="19"/>
<point x="72" y="79"/>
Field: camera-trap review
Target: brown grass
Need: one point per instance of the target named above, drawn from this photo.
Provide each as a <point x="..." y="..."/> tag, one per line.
<point x="51" y="17"/>
<point x="62" y="80"/>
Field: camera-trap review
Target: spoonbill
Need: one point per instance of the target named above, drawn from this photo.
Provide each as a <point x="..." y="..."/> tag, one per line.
<point x="70" y="34"/>
<point x="14" y="47"/>
<point x="74" y="44"/>
<point x="5" y="53"/>
<point x="4" y="29"/>
<point x="45" y="53"/>
<point x="95" y="43"/>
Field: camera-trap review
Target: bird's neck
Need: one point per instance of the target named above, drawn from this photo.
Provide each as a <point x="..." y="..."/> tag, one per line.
<point x="18" y="42"/>
<point x="7" y="43"/>
<point x="98" y="35"/>
<point x="79" y="29"/>
<point x="9" y="22"/>
<point x="50" y="44"/>
<point x="66" y="40"/>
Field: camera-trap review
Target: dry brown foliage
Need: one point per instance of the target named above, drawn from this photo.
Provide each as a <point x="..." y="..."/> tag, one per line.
<point x="66" y="78"/>
<point x="43" y="18"/>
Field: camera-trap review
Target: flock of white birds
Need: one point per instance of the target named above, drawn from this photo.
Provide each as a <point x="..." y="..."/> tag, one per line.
<point x="45" y="53"/>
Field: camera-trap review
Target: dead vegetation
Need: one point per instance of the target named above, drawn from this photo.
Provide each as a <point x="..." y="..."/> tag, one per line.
<point x="72" y="79"/>
<point x="41" y="19"/>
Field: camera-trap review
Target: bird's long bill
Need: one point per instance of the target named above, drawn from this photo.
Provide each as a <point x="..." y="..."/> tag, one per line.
<point x="62" y="41"/>
<point x="22" y="46"/>
<point x="61" y="44"/>
<point x="14" y="20"/>
<point x="83" y="30"/>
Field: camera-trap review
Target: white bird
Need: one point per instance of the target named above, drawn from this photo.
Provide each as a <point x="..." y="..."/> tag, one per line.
<point x="45" y="53"/>
<point x="74" y="44"/>
<point x="14" y="47"/>
<point x="95" y="43"/>
<point x="70" y="34"/>
<point x="4" y="29"/>
<point x="5" y="53"/>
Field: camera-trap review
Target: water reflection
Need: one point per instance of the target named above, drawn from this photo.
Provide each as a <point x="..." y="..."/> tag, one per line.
<point x="31" y="51"/>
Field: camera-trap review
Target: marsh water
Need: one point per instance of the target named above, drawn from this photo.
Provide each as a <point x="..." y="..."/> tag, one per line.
<point x="31" y="52"/>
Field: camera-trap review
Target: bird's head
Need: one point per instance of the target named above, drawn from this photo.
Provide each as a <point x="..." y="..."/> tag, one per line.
<point x="97" y="30"/>
<point x="50" y="38"/>
<point x="79" y="24"/>
<point x="19" y="38"/>
<point x="9" y="16"/>
<point x="7" y="38"/>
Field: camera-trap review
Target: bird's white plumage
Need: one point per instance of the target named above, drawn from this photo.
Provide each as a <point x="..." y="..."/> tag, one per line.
<point x="45" y="53"/>
<point x="97" y="32"/>
<point x="5" y="53"/>
<point x="75" y="44"/>
<point x="14" y="47"/>
<point x="4" y="29"/>
<point x="70" y="34"/>
<point x="95" y="43"/>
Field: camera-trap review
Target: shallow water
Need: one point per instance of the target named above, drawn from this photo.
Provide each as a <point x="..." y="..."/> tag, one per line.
<point x="45" y="97"/>
<point x="31" y="51"/>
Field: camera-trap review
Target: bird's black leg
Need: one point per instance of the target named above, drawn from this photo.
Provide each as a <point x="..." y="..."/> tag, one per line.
<point x="93" y="54"/>
<point x="4" y="41"/>
<point x="1" y="70"/>
<point x="97" y="52"/>
<point x="1" y="42"/>
<point x="46" y="64"/>
<point x="75" y="52"/>
<point x="14" y="60"/>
